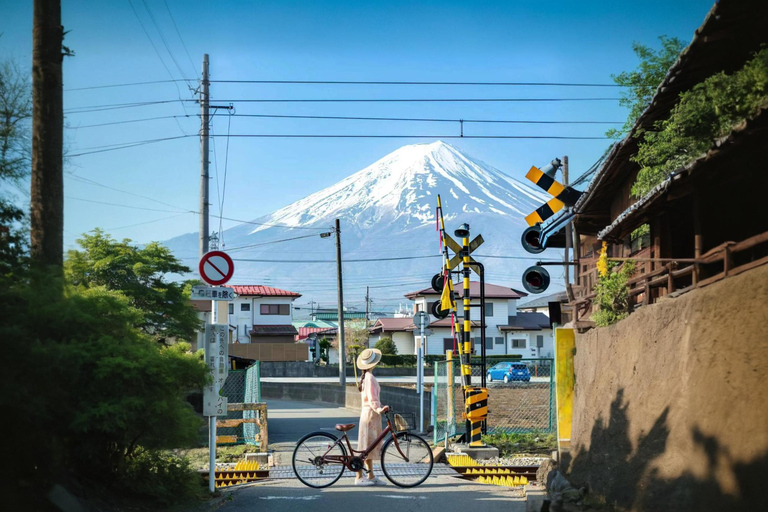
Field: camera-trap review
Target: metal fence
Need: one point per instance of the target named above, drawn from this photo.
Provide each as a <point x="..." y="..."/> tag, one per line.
<point x="515" y="406"/>
<point x="242" y="386"/>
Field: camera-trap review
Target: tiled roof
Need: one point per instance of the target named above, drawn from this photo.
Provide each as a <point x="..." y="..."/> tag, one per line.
<point x="526" y="322"/>
<point x="542" y="302"/>
<point x="393" y="324"/>
<point x="492" y="291"/>
<point x="261" y="290"/>
<point x="274" y="330"/>
<point x="306" y="331"/>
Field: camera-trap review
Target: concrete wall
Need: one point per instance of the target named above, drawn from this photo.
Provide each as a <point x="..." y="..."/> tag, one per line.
<point x="302" y="369"/>
<point x="401" y="400"/>
<point x="669" y="406"/>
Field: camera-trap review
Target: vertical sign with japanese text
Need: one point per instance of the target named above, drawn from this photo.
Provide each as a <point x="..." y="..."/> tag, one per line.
<point x="217" y="360"/>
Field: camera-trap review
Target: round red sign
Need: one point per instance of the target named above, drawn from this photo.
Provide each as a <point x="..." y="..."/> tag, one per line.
<point x="216" y="268"/>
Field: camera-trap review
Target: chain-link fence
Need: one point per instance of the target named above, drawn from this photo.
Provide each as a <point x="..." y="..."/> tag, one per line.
<point x="521" y="397"/>
<point x="241" y="387"/>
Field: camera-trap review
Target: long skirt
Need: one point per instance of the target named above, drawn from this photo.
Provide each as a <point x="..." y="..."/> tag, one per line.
<point x="369" y="430"/>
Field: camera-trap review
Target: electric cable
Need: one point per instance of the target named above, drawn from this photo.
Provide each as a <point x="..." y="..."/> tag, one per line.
<point x="366" y="82"/>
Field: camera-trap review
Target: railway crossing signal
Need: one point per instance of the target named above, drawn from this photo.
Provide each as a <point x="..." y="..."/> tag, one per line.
<point x="562" y="195"/>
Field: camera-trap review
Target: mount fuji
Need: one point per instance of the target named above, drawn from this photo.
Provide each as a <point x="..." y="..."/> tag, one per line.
<point x="386" y="210"/>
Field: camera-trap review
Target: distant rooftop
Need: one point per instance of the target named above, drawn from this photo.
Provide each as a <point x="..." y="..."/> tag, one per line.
<point x="261" y="291"/>
<point x="492" y="291"/>
<point x="542" y="302"/>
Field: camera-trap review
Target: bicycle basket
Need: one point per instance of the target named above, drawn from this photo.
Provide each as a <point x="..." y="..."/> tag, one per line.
<point x="400" y="424"/>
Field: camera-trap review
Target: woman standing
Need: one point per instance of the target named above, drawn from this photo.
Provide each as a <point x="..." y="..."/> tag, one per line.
<point x="370" y="415"/>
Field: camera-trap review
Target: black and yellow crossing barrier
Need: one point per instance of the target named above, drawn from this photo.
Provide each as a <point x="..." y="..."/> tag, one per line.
<point x="477" y="412"/>
<point x="561" y="196"/>
<point x="243" y="473"/>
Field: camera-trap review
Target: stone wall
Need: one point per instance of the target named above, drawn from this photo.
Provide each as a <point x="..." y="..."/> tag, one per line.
<point x="303" y="369"/>
<point x="401" y="400"/>
<point x="670" y="404"/>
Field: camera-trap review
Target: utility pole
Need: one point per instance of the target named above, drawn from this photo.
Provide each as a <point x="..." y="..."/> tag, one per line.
<point x="47" y="185"/>
<point x="340" y="287"/>
<point x="204" y="139"/>
<point x="367" y="310"/>
<point x="567" y="255"/>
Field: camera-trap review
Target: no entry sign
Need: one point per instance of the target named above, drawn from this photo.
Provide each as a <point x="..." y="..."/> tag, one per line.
<point x="216" y="268"/>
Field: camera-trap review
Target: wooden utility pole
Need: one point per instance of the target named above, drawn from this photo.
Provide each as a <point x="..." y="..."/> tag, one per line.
<point x="367" y="301"/>
<point x="340" y="287"/>
<point x="567" y="255"/>
<point x="47" y="186"/>
<point x="204" y="140"/>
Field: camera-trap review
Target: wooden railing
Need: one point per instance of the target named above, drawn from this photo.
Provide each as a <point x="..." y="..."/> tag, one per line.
<point x="644" y="289"/>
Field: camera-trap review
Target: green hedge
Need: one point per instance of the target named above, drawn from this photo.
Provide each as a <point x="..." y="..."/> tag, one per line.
<point x="398" y="360"/>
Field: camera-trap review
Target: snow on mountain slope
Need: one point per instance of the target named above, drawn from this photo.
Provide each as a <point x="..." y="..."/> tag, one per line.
<point x="387" y="210"/>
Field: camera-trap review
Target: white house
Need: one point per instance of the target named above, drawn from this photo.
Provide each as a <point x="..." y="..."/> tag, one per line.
<point x="508" y="331"/>
<point x="262" y="314"/>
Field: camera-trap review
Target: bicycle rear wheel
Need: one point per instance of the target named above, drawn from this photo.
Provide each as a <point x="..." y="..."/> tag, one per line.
<point x="407" y="463"/>
<point x="309" y="462"/>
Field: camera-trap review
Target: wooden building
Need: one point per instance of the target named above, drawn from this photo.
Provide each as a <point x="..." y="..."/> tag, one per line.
<point x="708" y="219"/>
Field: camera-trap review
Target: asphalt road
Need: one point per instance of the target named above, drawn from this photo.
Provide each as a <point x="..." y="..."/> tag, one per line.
<point x="437" y="494"/>
<point x="289" y="420"/>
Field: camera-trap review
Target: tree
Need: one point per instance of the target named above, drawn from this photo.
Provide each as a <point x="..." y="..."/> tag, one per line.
<point x="387" y="346"/>
<point x="15" y="147"/>
<point x="641" y="84"/>
<point x="139" y="274"/>
<point x="15" y="117"/>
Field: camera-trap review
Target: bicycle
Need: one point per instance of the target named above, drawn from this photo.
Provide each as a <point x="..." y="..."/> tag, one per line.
<point x="320" y="458"/>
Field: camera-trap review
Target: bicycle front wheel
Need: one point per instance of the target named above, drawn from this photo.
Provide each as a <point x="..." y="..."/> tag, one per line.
<point x="310" y="461"/>
<point x="406" y="460"/>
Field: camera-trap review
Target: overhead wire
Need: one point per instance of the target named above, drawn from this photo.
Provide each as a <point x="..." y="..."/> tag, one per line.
<point x="129" y="84"/>
<point x="175" y="26"/>
<point x="417" y="119"/>
<point x="390" y="82"/>
<point x="162" y="38"/>
<point x="410" y="100"/>
<point x="224" y="186"/>
<point x="147" y="222"/>
<point x="125" y="205"/>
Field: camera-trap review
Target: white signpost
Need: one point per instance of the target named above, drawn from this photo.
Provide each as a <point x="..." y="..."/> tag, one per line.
<point x="202" y="292"/>
<point x="216" y="268"/>
<point x="217" y="359"/>
<point x="421" y="319"/>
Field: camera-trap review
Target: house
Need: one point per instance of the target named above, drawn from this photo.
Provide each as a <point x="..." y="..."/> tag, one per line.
<point x="540" y="304"/>
<point x="262" y="314"/>
<point x="508" y="331"/>
<point x="706" y="220"/>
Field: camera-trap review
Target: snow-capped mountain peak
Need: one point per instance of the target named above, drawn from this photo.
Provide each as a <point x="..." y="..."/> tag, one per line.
<point x="402" y="187"/>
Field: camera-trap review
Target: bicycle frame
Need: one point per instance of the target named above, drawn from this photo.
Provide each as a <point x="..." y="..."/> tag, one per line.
<point x="347" y="459"/>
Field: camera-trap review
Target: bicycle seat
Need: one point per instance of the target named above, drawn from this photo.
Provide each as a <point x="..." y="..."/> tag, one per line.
<point x="341" y="427"/>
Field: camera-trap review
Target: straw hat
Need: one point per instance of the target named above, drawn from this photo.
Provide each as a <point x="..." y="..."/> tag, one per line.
<point x="368" y="358"/>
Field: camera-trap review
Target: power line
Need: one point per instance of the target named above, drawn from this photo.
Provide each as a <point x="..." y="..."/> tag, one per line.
<point x="224" y="185"/>
<point x="125" y="205"/>
<point x="162" y="37"/>
<point x="129" y="84"/>
<point x="361" y="82"/>
<point x="114" y="147"/>
<point x="356" y="136"/>
<point x="95" y="183"/>
<point x="430" y="120"/>
<point x="147" y="222"/>
<point x="412" y="100"/>
<point x="127" y="121"/>
<point x="269" y="242"/>
<point x="194" y="72"/>
<point x="117" y="106"/>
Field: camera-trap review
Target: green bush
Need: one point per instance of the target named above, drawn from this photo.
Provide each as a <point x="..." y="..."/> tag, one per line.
<point x="90" y="391"/>
<point x="162" y="476"/>
<point x="387" y="346"/>
<point x="511" y="444"/>
<point x="398" y="360"/>
<point x="707" y="112"/>
<point x="612" y="294"/>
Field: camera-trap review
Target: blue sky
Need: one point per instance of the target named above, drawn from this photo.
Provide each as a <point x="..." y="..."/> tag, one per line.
<point x="322" y="40"/>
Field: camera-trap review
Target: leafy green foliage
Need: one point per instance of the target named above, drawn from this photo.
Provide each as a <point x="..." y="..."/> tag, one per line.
<point x="398" y="360"/>
<point x="86" y="389"/>
<point x="641" y="84"/>
<point x="512" y="444"/>
<point x="612" y="294"/>
<point x="163" y="476"/>
<point x="138" y="273"/>
<point x="707" y="112"/>
<point x="387" y="346"/>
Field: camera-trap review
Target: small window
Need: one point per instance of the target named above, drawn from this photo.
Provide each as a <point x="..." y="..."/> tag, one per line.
<point x="231" y="309"/>
<point x="275" y="309"/>
<point x="245" y="306"/>
<point x="518" y="343"/>
<point x="540" y="341"/>
<point x="488" y="309"/>
<point x="499" y="341"/>
<point x="447" y="344"/>
<point x="489" y="343"/>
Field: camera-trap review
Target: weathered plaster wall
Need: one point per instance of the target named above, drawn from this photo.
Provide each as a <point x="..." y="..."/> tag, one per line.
<point x="671" y="404"/>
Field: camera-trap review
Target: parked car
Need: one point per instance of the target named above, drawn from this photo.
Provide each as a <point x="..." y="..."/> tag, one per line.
<point x="508" y="372"/>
